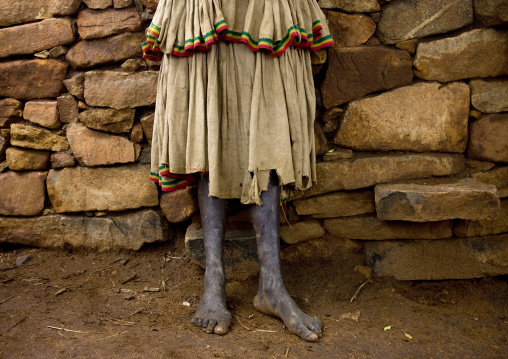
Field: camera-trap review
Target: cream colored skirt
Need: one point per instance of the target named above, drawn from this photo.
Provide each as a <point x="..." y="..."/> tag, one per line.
<point x="236" y="115"/>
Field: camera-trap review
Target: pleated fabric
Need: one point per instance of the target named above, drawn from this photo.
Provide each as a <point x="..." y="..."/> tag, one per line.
<point x="231" y="110"/>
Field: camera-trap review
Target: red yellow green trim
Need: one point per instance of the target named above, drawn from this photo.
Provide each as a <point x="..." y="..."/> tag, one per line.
<point x="172" y="181"/>
<point x="295" y="36"/>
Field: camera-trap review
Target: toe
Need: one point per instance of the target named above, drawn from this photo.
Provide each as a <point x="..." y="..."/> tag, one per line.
<point x="200" y="323"/>
<point x="221" y="328"/>
<point x="304" y="333"/>
<point x="205" y="323"/>
<point x="211" y="326"/>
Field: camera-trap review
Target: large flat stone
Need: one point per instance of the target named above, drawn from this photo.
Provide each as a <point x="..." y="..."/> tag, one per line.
<point x="497" y="176"/>
<point x="476" y="53"/>
<point x="22" y="159"/>
<point x="113" y="232"/>
<point x="368" y="170"/>
<point x="454" y="258"/>
<point x="120" y="4"/>
<point x="22" y="194"/>
<point x="354" y="72"/>
<point x="489" y="95"/>
<point x="180" y="205"/>
<point x="421" y="117"/>
<point x="20" y="11"/>
<point x="108" y="119"/>
<point x="96" y="148"/>
<point x="30" y="38"/>
<point x="120" y="90"/>
<point x="98" y="4"/>
<point x="93" y="24"/>
<point x="102" y="51"/>
<point x="240" y="252"/>
<point x="350" y="29"/>
<point x="436" y="202"/>
<point x="302" y="231"/>
<point x="351" y="5"/>
<point x="338" y="204"/>
<point x="76" y="189"/>
<point x="491" y="12"/>
<point x="37" y="138"/>
<point x="32" y="79"/>
<point x="43" y="113"/>
<point x="488" y="138"/>
<point x="407" y="19"/>
<point x="369" y="227"/>
<point x="469" y="228"/>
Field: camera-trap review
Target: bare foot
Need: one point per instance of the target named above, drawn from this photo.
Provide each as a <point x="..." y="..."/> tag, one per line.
<point x="279" y="304"/>
<point x="212" y="315"/>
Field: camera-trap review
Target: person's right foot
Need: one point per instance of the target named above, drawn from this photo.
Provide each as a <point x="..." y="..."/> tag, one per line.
<point x="212" y="315"/>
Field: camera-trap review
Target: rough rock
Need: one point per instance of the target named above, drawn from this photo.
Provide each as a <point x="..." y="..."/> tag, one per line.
<point x="93" y="24"/>
<point x="472" y="228"/>
<point x="76" y="85"/>
<point x="338" y="204"/>
<point x="120" y="90"/>
<point x="10" y="111"/>
<point x="133" y="65"/>
<point x="102" y="51"/>
<point x="368" y="170"/>
<point x="98" y="4"/>
<point x="96" y="148"/>
<point x="476" y="53"/>
<point x="420" y="117"/>
<point x="67" y="108"/>
<point x="179" y="206"/>
<point x="488" y="138"/>
<point x="36" y="138"/>
<point x="320" y="140"/>
<point x="147" y="123"/>
<point x="32" y="79"/>
<point x="338" y="154"/>
<point x="302" y="231"/>
<point x="117" y="121"/>
<point x="498" y="177"/>
<point x="4" y="144"/>
<point x="20" y="11"/>
<point x="76" y="189"/>
<point x="43" y="113"/>
<point x="369" y="227"/>
<point x="125" y="231"/>
<point x="137" y="133"/>
<point x="436" y="202"/>
<point x="357" y="71"/>
<point x="63" y="159"/>
<point x="120" y="4"/>
<point x="454" y="258"/>
<point x="151" y="4"/>
<point x="489" y="95"/>
<point x="491" y="12"/>
<point x="351" y="5"/>
<point x="406" y="19"/>
<point x="22" y="194"/>
<point x="22" y="159"/>
<point x="350" y="29"/>
<point x="30" y="38"/>
<point x="240" y="252"/>
<point x="145" y="155"/>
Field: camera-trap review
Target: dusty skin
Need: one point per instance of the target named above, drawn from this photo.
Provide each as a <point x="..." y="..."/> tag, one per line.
<point x="99" y="312"/>
<point x="272" y="298"/>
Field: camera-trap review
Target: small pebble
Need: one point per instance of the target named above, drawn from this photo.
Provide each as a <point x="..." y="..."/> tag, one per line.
<point x="22" y="260"/>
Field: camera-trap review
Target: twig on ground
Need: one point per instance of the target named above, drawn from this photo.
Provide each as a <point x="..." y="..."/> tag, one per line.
<point x="265" y="331"/>
<point x="114" y="335"/>
<point x="243" y="325"/>
<point x="130" y="315"/>
<point x="287" y="352"/>
<point x="14" y="326"/>
<point x="6" y="299"/>
<point x="8" y="268"/>
<point x="126" y="280"/>
<point x="68" y="330"/>
<point x="359" y="289"/>
<point x="61" y="291"/>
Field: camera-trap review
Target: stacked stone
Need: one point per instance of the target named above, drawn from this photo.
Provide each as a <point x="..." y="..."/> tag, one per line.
<point x="76" y="105"/>
<point x="415" y="145"/>
<point x="411" y="134"/>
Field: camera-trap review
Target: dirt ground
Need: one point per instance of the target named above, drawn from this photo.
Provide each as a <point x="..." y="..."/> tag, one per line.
<point x="78" y="304"/>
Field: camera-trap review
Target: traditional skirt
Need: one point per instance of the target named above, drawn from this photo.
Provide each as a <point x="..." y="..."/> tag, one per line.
<point x="235" y="96"/>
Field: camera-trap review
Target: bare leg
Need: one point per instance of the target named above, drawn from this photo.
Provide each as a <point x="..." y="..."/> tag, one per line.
<point x="212" y="315"/>
<point x="272" y="297"/>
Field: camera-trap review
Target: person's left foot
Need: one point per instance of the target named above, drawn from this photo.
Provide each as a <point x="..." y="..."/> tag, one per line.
<point x="279" y="304"/>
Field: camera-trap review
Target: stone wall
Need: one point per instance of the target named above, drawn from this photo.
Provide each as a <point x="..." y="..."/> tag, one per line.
<point x="411" y="134"/>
